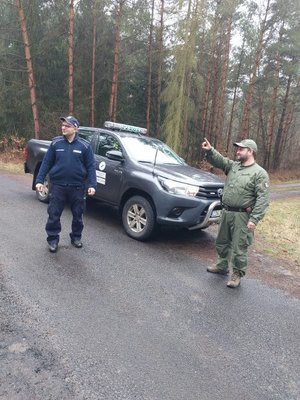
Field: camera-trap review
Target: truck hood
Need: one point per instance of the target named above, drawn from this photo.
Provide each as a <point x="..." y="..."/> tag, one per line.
<point x="189" y="175"/>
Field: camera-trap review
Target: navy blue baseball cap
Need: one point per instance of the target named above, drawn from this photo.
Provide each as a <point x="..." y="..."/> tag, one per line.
<point x="70" y="120"/>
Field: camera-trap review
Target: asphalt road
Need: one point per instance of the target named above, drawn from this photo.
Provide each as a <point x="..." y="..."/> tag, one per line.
<point x="120" y="319"/>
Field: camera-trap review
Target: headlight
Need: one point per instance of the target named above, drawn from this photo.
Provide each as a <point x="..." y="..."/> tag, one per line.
<point x="179" y="188"/>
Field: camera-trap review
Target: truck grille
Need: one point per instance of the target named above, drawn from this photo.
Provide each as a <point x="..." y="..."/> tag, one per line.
<point x="210" y="192"/>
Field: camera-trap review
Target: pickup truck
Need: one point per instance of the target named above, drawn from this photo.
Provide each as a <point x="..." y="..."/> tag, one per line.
<point x="144" y="178"/>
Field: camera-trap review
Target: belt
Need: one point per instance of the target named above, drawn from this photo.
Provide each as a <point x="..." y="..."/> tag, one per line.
<point x="237" y="209"/>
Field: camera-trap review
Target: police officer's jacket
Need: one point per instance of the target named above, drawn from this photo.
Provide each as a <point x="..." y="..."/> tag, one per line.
<point x="69" y="163"/>
<point x="245" y="186"/>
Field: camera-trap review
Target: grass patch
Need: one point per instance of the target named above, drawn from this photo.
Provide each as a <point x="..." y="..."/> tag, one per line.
<point x="285" y="188"/>
<point x="281" y="229"/>
<point x="12" y="161"/>
<point x="289" y="181"/>
<point x="16" y="168"/>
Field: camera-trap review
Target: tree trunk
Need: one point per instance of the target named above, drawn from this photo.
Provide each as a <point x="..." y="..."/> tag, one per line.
<point x="229" y="132"/>
<point x="70" y="54"/>
<point x="31" y="80"/>
<point x="291" y="113"/>
<point x="211" y="73"/>
<point x="272" y="115"/>
<point x="93" y="66"/>
<point x="211" y="133"/>
<point x="278" y="141"/>
<point x="149" y="83"/>
<point x="224" y="73"/>
<point x="249" y="97"/>
<point x="114" y="86"/>
<point x="261" y="129"/>
<point x="206" y="99"/>
<point x="159" y="70"/>
<point x="186" y="134"/>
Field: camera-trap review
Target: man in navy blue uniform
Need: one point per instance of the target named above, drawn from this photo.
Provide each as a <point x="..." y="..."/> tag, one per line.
<point x="70" y="164"/>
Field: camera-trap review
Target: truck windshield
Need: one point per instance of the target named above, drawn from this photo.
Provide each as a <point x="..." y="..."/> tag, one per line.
<point x="146" y="150"/>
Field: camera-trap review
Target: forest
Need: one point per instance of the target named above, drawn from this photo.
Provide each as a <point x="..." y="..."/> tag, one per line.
<point x="184" y="69"/>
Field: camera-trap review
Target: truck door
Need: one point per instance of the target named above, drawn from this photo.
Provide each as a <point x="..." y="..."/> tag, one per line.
<point x="109" y="172"/>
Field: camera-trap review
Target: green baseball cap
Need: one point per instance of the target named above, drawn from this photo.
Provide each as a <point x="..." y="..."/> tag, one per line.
<point x="247" y="143"/>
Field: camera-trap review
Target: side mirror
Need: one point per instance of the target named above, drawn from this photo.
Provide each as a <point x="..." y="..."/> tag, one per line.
<point x="114" y="155"/>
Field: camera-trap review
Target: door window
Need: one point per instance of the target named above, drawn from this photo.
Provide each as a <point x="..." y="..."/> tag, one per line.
<point x="86" y="134"/>
<point x="106" y="143"/>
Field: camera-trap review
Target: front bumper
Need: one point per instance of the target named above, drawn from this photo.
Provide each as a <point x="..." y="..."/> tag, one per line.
<point x="212" y="216"/>
<point x="197" y="213"/>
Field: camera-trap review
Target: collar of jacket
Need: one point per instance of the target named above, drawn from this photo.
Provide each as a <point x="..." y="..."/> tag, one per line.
<point x="74" y="140"/>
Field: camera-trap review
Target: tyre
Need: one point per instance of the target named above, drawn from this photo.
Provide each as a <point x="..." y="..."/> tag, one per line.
<point x="138" y="218"/>
<point x="44" y="195"/>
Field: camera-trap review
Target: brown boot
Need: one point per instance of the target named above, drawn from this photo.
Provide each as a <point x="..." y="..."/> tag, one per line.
<point x="216" y="270"/>
<point x="235" y="280"/>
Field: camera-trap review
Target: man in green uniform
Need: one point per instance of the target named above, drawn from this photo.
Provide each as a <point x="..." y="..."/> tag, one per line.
<point x="245" y="200"/>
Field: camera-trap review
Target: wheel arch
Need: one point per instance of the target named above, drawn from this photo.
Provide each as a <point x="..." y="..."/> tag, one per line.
<point x="136" y="192"/>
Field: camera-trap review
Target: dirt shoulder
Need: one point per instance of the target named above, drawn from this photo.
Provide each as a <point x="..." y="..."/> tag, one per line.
<point x="278" y="272"/>
<point x="275" y="272"/>
<point x="281" y="273"/>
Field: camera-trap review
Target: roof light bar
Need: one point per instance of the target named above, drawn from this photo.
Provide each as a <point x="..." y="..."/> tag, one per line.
<point x="124" y="127"/>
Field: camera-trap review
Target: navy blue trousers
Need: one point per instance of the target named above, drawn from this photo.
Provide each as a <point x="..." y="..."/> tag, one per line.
<point x="59" y="197"/>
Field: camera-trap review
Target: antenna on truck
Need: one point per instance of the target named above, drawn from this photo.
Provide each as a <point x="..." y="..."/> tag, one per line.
<point x="154" y="164"/>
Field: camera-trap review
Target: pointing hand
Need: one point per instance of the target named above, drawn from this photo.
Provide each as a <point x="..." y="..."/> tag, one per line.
<point x="206" y="145"/>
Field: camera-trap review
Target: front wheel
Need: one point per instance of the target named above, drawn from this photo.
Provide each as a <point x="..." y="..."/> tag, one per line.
<point x="138" y="218"/>
<point x="44" y="195"/>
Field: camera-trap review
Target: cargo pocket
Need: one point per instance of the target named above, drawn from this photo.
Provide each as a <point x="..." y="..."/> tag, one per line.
<point x="246" y="238"/>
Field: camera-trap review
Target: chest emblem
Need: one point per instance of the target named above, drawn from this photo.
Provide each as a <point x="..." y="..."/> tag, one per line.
<point x="102" y="166"/>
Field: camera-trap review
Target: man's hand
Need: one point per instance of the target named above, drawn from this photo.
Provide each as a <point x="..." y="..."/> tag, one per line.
<point x="39" y="187"/>
<point x="251" y="225"/>
<point x="206" y="145"/>
<point x="91" y="191"/>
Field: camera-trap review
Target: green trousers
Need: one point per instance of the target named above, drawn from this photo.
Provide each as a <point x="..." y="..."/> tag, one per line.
<point x="233" y="241"/>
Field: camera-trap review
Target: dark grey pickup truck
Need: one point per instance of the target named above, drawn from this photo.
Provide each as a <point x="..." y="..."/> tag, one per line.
<point x="148" y="182"/>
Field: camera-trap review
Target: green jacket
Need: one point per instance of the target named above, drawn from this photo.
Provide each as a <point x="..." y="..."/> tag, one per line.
<point x="245" y="186"/>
